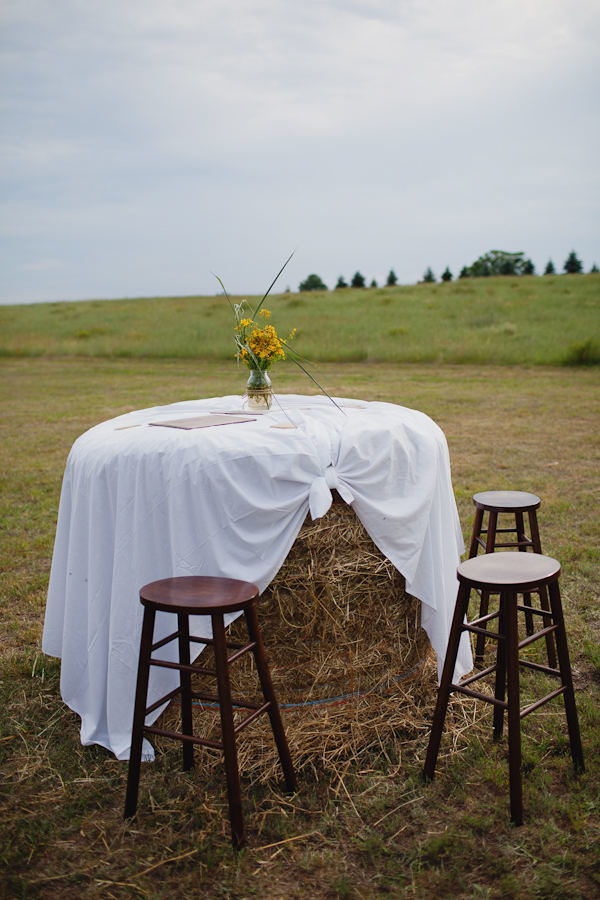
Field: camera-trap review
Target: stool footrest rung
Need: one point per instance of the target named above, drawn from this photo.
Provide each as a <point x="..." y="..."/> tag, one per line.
<point x="194" y="640"/>
<point x="212" y="698"/>
<point x="547" y="670"/>
<point x="243" y="648"/>
<point x="186" y="738"/>
<point x="496" y="636"/>
<point x="503" y="704"/>
<point x="501" y="531"/>
<point x="161" y="700"/>
<point x="542" y="700"/>
<point x="163" y="641"/>
<point x="487" y="618"/>
<point x="477" y="675"/>
<point x="524" y="543"/>
<point x="537" y="635"/>
<point x="257" y="712"/>
<point x="205" y="742"/>
<point x="522" y="540"/>
<point x="210" y="642"/>
<point x="492" y="634"/>
<point x="200" y="670"/>
<point x="182" y="667"/>
<point x="533" y="610"/>
<point x="488" y="698"/>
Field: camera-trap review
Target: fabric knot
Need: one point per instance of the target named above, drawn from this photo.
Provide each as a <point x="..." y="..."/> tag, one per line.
<point x="320" y="498"/>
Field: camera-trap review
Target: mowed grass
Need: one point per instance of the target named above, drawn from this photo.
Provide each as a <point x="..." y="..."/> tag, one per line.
<point x="368" y="829"/>
<point x="547" y="320"/>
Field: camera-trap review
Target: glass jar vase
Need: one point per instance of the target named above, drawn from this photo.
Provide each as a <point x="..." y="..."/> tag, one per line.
<point x="259" y="392"/>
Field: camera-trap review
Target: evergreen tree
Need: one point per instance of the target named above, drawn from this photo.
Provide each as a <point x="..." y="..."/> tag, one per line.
<point x="313" y="283"/>
<point x="341" y="283"/>
<point x="528" y="268"/>
<point x="464" y="273"/>
<point x="446" y="274"/>
<point x="594" y="270"/>
<point x="391" y="279"/>
<point x="573" y="265"/>
<point x="358" y="280"/>
<point x="428" y="277"/>
<point x="373" y="283"/>
<point x="549" y="270"/>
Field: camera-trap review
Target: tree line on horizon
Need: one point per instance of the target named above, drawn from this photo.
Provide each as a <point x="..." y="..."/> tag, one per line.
<point x="494" y="262"/>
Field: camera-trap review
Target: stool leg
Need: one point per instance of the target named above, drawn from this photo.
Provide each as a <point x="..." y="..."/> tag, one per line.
<point x="544" y="603"/>
<point x="534" y="531"/>
<point x="139" y="713"/>
<point x="443" y="694"/>
<point x="521" y="536"/>
<point x="228" y="732"/>
<point x="485" y="595"/>
<point x="185" y="684"/>
<point x="491" y="533"/>
<point x="476" y="532"/>
<point x="500" y="686"/>
<point x="566" y="676"/>
<point x="269" y="695"/>
<point x="484" y="605"/>
<point x="550" y="647"/>
<point x="514" y="707"/>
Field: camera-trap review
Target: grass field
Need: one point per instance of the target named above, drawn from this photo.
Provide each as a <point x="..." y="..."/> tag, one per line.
<point x="368" y="829"/>
<point x="511" y="321"/>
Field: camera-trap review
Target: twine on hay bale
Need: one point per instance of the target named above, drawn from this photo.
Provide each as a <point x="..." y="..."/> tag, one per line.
<point x="351" y="666"/>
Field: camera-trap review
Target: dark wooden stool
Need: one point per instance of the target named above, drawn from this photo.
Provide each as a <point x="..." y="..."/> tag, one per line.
<point x="515" y="504"/>
<point x="508" y="574"/>
<point x="195" y="595"/>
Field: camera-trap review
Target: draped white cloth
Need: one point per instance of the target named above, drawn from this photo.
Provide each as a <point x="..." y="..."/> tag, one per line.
<point x="143" y="503"/>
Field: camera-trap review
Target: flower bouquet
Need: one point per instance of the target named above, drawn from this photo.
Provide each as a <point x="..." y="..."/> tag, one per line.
<point x="259" y="346"/>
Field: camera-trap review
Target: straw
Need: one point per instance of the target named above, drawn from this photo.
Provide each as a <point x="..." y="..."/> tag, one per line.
<point x="351" y="666"/>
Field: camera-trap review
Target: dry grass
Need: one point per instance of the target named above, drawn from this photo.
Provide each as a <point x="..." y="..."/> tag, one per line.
<point x="362" y="825"/>
<point x="351" y="666"/>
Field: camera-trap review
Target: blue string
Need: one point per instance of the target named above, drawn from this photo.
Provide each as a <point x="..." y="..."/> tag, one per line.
<point x="339" y="699"/>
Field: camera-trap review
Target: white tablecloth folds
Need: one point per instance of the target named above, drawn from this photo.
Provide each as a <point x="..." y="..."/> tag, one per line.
<point x="143" y="503"/>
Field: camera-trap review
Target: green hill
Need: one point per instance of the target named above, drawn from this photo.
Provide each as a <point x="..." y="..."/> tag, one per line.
<point x="548" y="320"/>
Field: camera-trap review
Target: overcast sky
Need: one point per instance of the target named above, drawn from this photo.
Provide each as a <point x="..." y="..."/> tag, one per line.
<point x="147" y="144"/>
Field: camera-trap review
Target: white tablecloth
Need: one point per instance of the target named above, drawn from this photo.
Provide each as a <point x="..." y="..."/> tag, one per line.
<point x="143" y="503"/>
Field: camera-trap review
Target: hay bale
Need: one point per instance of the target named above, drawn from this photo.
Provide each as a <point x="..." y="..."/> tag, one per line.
<point x="351" y="665"/>
<point x="336" y="619"/>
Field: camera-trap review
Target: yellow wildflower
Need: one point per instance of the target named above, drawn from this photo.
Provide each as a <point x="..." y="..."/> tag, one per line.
<point x="265" y="345"/>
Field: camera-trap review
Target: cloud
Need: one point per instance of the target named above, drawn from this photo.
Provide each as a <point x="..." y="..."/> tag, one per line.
<point x="175" y="137"/>
<point x="43" y="265"/>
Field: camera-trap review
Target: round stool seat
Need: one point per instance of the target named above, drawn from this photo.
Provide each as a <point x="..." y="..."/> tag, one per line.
<point x="506" y="501"/>
<point x="197" y="594"/>
<point x="508" y="569"/>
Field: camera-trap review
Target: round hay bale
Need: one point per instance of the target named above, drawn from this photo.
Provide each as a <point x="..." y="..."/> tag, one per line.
<point x="350" y="663"/>
<point x="336" y="620"/>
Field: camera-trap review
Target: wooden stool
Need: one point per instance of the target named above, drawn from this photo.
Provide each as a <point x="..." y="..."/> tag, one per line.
<point x="508" y="574"/>
<point x="195" y="595"/>
<point x="516" y="504"/>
